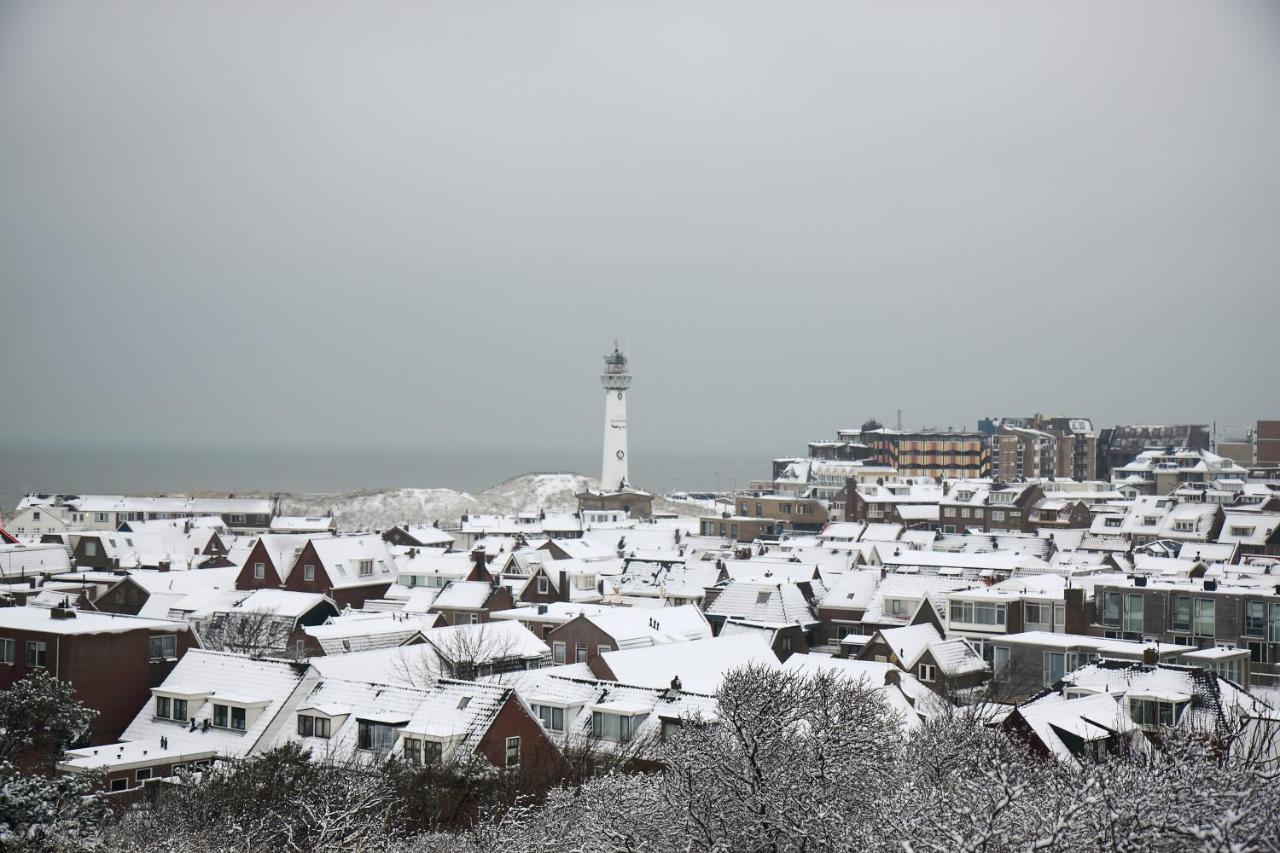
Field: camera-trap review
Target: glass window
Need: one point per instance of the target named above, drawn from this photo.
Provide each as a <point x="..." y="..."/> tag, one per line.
<point x="1000" y="660"/>
<point x="180" y="710"/>
<point x="6" y="651"/>
<point x="308" y="573"/>
<point x="513" y="752"/>
<point x="413" y="751"/>
<point x="1181" y="613"/>
<point x="1133" y="614"/>
<point x="237" y="719"/>
<point x="1255" y="618"/>
<point x="552" y="718"/>
<point x="37" y="652"/>
<point x="220" y="716"/>
<point x="259" y="571"/>
<point x="1205" y="617"/>
<point x="557" y="652"/>
<point x="164" y="647"/>
<point x="1055" y="666"/>
<point x="375" y="736"/>
<point x="162" y="707"/>
<point x="1273" y="623"/>
<point x="1111" y="609"/>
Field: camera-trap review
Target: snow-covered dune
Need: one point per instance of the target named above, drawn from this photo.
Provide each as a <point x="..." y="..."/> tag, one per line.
<point x="377" y="509"/>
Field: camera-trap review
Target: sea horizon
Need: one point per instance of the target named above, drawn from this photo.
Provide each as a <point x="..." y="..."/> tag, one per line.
<point x="182" y="469"/>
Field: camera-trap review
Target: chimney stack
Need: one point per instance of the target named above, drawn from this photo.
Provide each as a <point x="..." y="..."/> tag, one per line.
<point x="563" y="592"/>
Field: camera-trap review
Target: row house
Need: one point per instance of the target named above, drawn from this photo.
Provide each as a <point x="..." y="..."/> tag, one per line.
<point x="989" y="508"/>
<point x="605" y="716"/>
<point x="888" y="502"/>
<point x="40" y="514"/>
<point x="1026" y="663"/>
<point x="111" y="661"/>
<point x="217" y="706"/>
<point x="1241" y="613"/>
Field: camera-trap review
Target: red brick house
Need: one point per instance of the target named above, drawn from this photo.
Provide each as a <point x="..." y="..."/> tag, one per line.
<point x="112" y="661"/>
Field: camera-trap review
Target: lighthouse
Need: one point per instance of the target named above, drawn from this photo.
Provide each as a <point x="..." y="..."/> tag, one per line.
<point x="616" y="380"/>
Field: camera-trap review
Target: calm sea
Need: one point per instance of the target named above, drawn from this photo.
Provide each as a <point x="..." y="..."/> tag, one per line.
<point x="140" y="470"/>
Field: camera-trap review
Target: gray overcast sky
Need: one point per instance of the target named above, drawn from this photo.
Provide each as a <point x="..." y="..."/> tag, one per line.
<point x="422" y="223"/>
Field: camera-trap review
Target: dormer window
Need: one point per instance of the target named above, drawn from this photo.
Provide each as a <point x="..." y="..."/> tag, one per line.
<point x="615" y="727"/>
<point x="229" y="717"/>
<point x="1153" y="711"/>
<point x="375" y="736"/>
<point x="1183" y="526"/>
<point x="1239" y="530"/>
<point x="419" y="751"/>
<point x="964" y="496"/>
<point x="309" y="726"/>
<point x="366" y="567"/>
<point x="1002" y="498"/>
<point x="551" y="717"/>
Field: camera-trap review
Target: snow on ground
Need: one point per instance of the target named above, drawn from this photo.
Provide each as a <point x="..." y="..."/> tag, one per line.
<point x="382" y="508"/>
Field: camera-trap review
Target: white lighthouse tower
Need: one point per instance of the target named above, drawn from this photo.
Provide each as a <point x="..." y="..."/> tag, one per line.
<point x="616" y="380"/>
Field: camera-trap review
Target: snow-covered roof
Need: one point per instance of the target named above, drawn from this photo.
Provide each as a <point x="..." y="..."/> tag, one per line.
<point x="700" y="665"/>
<point x="1088" y="718"/>
<point x="634" y="628"/>
<point x="853" y="590"/>
<point x="773" y="602"/>
<point x="17" y="560"/>
<point x="42" y="620"/>
<point x="205" y="678"/>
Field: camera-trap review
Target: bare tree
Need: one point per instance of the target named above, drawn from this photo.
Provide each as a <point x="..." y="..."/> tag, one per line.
<point x="256" y="633"/>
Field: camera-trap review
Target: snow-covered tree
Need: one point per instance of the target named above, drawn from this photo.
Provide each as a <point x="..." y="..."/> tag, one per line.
<point x="50" y="814"/>
<point x="41" y="716"/>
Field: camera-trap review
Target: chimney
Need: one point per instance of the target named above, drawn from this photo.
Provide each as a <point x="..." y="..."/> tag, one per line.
<point x="62" y="613"/>
<point x="163" y="566"/>
<point x="1150" y="656"/>
<point x="676" y="686"/>
<point x="1210" y="585"/>
<point x="563" y="592"/>
<point x="542" y="609"/>
<point x="1140" y="580"/>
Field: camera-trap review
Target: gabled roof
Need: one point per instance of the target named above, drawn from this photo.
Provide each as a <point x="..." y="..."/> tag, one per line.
<point x="776" y="603"/>
<point x="343" y="555"/>
<point x="204" y="677"/>
<point x="1089" y="718"/>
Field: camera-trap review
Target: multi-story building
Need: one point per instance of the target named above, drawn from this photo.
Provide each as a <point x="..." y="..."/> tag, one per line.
<point x="1041" y="446"/>
<point x="1121" y="445"/>
<point x="1267" y="443"/>
<point x="810" y="515"/>
<point x="1204" y="613"/>
<point x="925" y="453"/>
<point x="1160" y="472"/>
